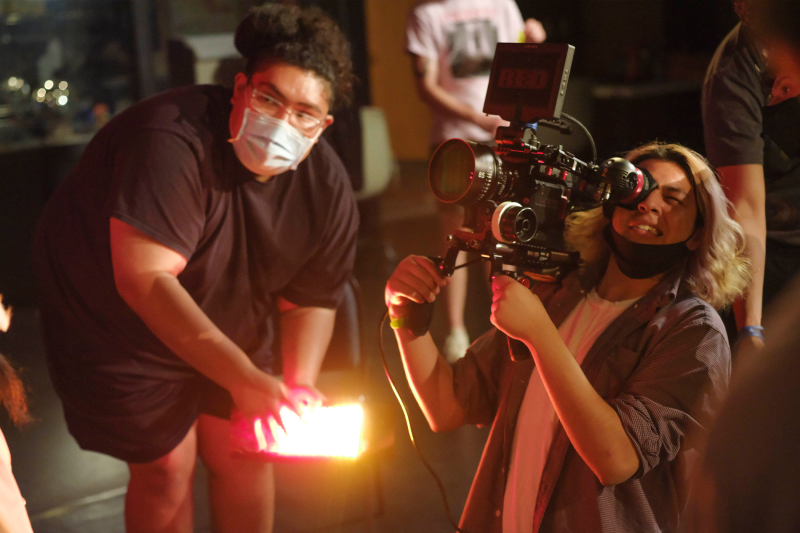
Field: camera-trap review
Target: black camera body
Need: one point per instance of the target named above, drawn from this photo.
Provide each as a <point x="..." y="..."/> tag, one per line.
<point x="518" y="192"/>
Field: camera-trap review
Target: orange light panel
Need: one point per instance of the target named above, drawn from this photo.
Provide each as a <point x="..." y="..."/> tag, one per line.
<point x="333" y="431"/>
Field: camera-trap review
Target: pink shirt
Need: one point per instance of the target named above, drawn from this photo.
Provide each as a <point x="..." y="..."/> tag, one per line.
<point x="462" y="36"/>
<point x="13" y="515"/>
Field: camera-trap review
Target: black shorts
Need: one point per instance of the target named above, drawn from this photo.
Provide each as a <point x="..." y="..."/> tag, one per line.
<point x="144" y="425"/>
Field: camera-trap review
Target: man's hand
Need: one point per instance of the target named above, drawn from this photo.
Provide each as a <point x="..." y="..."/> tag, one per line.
<point x="416" y="279"/>
<point x="515" y="309"/>
<point x="750" y="344"/>
<point x="306" y="398"/>
<point x="534" y="31"/>
<point x="489" y="123"/>
<point x="746" y="352"/>
<point x="264" y="397"/>
<point x="5" y="316"/>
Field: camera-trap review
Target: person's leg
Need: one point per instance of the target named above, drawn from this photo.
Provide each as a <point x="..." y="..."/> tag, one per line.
<point x="454" y="295"/>
<point x="241" y="491"/>
<point x="159" y="498"/>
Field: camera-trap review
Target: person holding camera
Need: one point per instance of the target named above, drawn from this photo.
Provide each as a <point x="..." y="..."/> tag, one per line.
<point x="629" y="362"/>
<point x="194" y="223"/>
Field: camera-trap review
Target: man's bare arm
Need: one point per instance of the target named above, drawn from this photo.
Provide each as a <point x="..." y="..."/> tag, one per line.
<point x="145" y="272"/>
<point x="744" y="186"/>
<point x="305" y="335"/>
<point x="426" y="74"/>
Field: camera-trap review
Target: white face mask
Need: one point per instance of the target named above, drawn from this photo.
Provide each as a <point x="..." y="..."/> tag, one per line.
<point x="269" y="146"/>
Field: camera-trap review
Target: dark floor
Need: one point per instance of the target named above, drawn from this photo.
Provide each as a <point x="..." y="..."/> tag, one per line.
<point x="70" y="490"/>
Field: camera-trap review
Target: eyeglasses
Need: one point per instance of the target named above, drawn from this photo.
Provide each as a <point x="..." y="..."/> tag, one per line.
<point x="268" y="105"/>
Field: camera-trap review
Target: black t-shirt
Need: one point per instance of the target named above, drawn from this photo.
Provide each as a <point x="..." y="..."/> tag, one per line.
<point x="734" y="93"/>
<point x="164" y="166"/>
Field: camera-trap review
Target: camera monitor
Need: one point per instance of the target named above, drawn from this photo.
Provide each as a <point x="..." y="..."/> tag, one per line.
<point x="528" y="81"/>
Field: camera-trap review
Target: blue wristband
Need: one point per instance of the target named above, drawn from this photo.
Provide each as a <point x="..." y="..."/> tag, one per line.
<point x="751" y="331"/>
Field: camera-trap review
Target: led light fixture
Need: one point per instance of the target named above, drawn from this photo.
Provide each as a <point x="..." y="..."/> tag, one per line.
<point x="322" y="432"/>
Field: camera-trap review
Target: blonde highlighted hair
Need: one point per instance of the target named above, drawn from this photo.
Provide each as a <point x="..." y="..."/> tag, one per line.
<point x="717" y="271"/>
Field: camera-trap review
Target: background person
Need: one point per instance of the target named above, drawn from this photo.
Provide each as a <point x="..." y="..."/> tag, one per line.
<point x="452" y="43"/>
<point x="194" y="221"/>
<point x="749" y="472"/>
<point x="751" y="121"/>
<point x="630" y="362"/>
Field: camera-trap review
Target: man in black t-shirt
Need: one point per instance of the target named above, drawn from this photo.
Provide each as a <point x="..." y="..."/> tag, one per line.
<point x="750" y="137"/>
<point x="193" y="222"/>
<point x="748" y="474"/>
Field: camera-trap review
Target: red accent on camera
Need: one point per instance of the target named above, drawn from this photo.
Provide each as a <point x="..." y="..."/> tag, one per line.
<point x="639" y="187"/>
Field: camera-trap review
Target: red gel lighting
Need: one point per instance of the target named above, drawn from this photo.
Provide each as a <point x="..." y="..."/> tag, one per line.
<point x="322" y="432"/>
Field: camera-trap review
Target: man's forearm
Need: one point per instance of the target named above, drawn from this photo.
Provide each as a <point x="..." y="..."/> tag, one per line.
<point x="431" y="380"/>
<point x="426" y="72"/>
<point x="435" y="96"/>
<point x="305" y="335"/>
<point x="176" y="319"/>
<point x="749" y="308"/>
<point x="744" y="186"/>
<point x="146" y="277"/>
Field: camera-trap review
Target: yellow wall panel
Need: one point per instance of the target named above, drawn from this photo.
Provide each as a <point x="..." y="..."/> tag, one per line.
<point x="392" y="81"/>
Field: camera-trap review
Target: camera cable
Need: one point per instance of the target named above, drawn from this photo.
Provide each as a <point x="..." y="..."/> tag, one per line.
<point x="586" y="131"/>
<point x="425" y="462"/>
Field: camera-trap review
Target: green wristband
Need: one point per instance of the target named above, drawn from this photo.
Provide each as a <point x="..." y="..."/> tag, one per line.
<point x="398" y="323"/>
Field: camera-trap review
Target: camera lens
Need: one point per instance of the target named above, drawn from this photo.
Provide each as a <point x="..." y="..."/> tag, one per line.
<point x="463" y="172"/>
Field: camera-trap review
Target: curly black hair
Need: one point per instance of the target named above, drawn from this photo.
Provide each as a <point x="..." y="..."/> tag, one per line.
<point x="304" y="38"/>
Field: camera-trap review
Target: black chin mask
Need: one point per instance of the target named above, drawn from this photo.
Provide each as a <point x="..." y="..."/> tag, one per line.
<point x="642" y="261"/>
<point x="780" y="123"/>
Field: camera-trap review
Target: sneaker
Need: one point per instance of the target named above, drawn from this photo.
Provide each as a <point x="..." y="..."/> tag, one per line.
<point x="455" y="345"/>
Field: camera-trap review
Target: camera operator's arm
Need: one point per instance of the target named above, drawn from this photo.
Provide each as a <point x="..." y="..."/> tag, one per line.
<point x="305" y="335"/>
<point x="593" y="426"/>
<point x="426" y="74"/>
<point x="744" y="186"/>
<point x="417" y="279"/>
<point x="146" y="276"/>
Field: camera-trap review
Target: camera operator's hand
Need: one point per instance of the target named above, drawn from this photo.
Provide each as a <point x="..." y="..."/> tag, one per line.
<point x="416" y="279"/>
<point x="515" y="309"/>
<point x="489" y="123"/>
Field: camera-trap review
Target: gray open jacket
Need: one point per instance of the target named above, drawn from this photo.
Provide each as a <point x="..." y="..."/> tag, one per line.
<point x="663" y="365"/>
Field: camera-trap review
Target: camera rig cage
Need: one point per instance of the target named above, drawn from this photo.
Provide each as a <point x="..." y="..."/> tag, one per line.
<point x="518" y="193"/>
